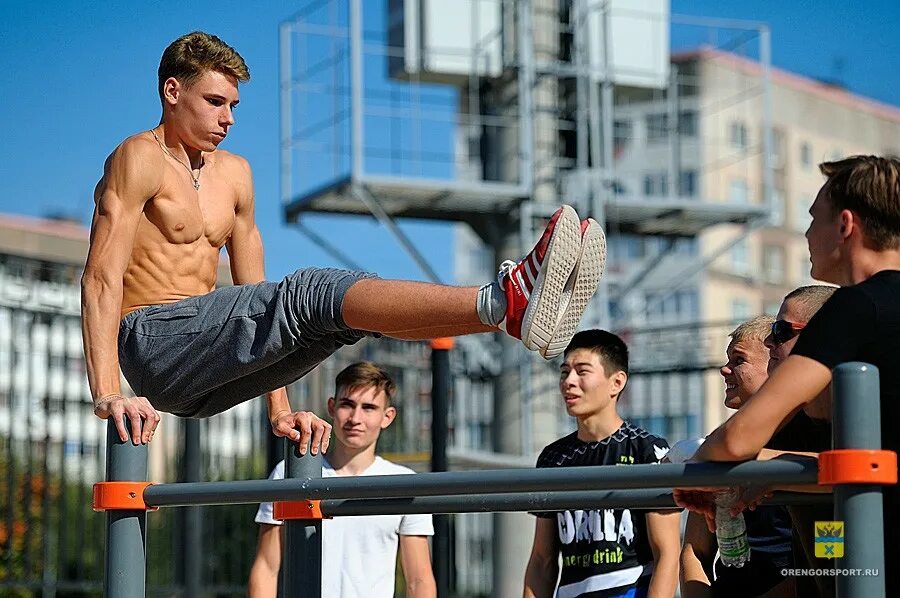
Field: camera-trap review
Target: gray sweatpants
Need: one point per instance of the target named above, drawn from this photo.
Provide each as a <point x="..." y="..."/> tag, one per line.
<point x="202" y="355"/>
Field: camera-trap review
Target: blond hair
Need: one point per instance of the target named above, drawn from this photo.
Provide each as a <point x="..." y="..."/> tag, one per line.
<point x="869" y="186"/>
<point x="365" y="374"/>
<point x="756" y="329"/>
<point x="189" y="56"/>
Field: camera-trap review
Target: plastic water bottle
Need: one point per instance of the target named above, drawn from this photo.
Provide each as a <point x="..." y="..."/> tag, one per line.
<point x="731" y="531"/>
<point x="683" y="450"/>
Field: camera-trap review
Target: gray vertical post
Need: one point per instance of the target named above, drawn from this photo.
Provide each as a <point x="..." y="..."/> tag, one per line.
<point x="126" y="541"/>
<point x="357" y="133"/>
<point x="857" y="425"/>
<point x="301" y="564"/>
<point x="440" y="415"/>
<point x="192" y="528"/>
<point x="765" y="61"/>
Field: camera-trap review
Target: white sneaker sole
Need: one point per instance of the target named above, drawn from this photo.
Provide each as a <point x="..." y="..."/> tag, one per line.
<point x="585" y="279"/>
<point x="547" y="301"/>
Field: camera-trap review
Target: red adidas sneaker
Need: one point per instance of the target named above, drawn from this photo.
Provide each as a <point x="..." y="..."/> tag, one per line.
<point x="535" y="288"/>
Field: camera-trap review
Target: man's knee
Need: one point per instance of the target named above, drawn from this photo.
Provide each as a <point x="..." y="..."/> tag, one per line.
<point x="314" y="298"/>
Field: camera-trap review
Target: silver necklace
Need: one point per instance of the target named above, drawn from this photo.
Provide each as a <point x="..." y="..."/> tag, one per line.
<point x="196" y="179"/>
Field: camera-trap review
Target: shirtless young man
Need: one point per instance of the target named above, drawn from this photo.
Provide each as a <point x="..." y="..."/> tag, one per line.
<point x="169" y="200"/>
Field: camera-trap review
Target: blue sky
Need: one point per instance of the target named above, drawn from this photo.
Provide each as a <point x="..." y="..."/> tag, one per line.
<point x="78" y="77"/>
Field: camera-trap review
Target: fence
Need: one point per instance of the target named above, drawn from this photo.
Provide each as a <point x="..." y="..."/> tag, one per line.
<point x="858" y="496"/>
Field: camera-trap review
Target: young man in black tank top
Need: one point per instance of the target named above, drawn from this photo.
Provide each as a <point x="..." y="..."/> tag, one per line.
<point x="605" y="552"/>
<point x="854" y="242"/>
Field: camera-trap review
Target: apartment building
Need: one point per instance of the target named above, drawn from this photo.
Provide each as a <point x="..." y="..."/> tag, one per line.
<point x="716" y="148"/>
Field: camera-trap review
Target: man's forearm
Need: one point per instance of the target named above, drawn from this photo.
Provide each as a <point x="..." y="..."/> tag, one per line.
<point x="664" y="579"/>
<point x="263" y="583"/>
<point x="694" y="580"/>
<point x="277" y="402"/>
<point x="421" y="587"/>
<point x="101" y="304"/>
<point x="540" y="581"/>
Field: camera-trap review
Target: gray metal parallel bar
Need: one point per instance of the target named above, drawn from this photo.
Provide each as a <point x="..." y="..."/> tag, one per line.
<point x="125" y="574"/>
<point x="857" y="425"/>
<point x="530" y="501"/>
<point x="302" y="560"/>
<point x="488" y="481"/>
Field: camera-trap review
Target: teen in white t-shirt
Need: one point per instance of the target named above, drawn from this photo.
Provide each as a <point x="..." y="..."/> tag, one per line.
<point x="359" y="554"/>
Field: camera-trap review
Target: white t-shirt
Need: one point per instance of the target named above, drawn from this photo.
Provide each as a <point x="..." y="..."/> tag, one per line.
<point x="359" y="554"/>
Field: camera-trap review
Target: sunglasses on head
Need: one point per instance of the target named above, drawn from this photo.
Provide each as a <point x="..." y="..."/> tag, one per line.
<point x="783" y="331"/>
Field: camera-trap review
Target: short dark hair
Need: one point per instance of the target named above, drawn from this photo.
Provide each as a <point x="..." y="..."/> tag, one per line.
<point x="607" y="346"/>
<point x="870" y="187"/>
<point x="365" y="374"/>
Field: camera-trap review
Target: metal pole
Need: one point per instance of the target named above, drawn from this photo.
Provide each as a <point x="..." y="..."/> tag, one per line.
<point x="673" y="117"/>
<point x="531" y="501"/>
<point x="440" y="414"/>
<point x="356" y="90"/>
<point x="126" y="541"/>
<point x="765" y="60"/>
<point x="302" y="560"/>
<point x="857" y="425"/>
<point x="499" y="481"/>
<point x="525" y="83"/>
<point x="285" y="30"/>
<point x="192" y="530"/>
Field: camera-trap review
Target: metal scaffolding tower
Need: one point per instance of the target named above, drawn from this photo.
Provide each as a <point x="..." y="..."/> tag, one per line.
<point x="491" y="113"/>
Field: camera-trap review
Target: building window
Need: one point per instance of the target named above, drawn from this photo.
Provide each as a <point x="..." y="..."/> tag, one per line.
<point x="740" y="309"/>
<point x="737" y="135"/>
<point x="738" y="191"/>
<point x="688" y="305"/>
<point x="805" y="155"/>
<point x="687" y="246"/>
<point x="622" y="133"/>
<point x="657" y="127"/>
<point x="778" y="153"/>
<point x="740" y="258"/>
<point x="777" y="213"/>
<point x="773" y="264"/>
<point x="625" y="247"/>
<point x="656" y="184"/>
<point x="687" y="183"/>
<point x="687" y="123"/>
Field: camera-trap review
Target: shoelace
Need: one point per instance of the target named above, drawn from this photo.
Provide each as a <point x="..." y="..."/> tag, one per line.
<point x="505" y="269"/>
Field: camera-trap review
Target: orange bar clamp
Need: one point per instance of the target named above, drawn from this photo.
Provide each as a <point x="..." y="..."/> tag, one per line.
<point x="443" y="343"/>
<point x="857" y="466"/>
<point x="120" y="496"/>
<point x="301" y="509"/>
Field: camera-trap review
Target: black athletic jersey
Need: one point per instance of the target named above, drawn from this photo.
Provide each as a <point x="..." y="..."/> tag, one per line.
<point x="605" y="552"/>
<point x="862" y="323"/>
